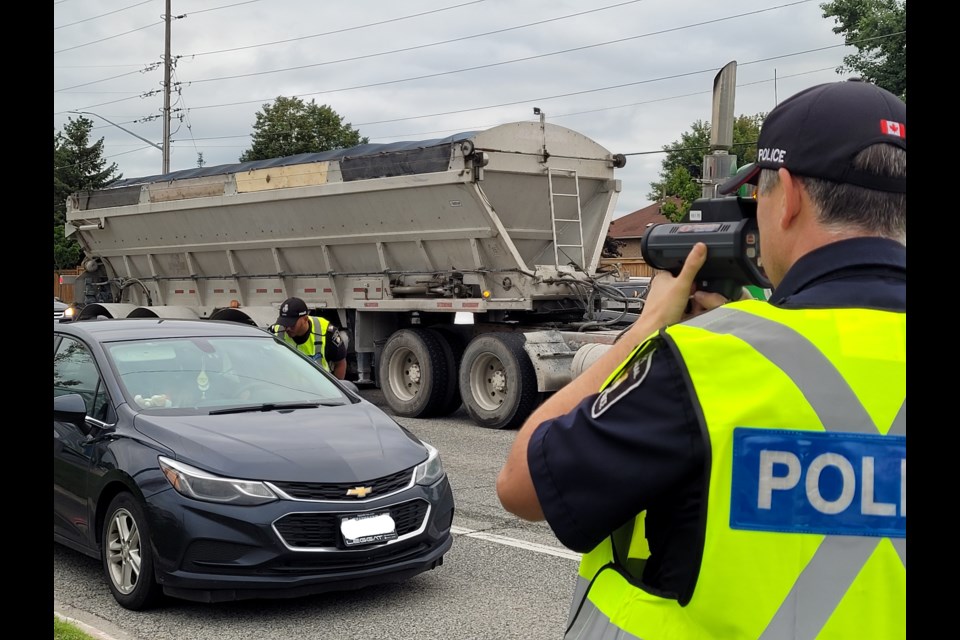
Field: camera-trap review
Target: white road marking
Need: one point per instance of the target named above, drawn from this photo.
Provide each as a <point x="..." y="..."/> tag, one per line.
<point x="513" y="542"/>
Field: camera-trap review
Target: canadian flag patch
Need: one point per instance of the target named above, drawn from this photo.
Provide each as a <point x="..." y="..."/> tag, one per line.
<point x="892" y="128"/>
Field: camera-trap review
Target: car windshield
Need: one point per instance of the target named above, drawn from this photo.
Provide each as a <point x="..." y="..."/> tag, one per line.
<point x="216" y="373"/>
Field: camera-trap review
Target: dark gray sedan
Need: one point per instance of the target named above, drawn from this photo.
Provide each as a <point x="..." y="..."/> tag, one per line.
<point x="208" y="461"/>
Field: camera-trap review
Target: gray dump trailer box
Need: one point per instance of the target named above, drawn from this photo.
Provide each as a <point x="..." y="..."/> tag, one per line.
<point x="389" y="241"/>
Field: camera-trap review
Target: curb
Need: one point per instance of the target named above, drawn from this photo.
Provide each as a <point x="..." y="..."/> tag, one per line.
<point x="86" y="628"/>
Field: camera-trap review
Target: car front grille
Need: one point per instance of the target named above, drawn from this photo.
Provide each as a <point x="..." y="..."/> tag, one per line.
<point x="333" y="491"/>
<point x="322" y="530"/>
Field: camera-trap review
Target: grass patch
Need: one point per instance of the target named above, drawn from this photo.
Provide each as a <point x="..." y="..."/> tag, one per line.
<point x="63" y="630"/>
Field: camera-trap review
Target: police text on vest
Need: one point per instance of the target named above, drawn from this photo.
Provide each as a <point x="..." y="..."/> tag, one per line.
<point x="816" y="482"/>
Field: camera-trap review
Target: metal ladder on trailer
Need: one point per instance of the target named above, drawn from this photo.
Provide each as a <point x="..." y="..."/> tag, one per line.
<point x="570" y="173"/>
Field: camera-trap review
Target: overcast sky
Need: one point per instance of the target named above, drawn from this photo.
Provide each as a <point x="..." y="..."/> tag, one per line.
<point x="633" y="76"/>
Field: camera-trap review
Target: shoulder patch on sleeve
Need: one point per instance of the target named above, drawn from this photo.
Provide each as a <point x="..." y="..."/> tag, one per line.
<point x="336" y="338"/>
<point x="630" y="379"/>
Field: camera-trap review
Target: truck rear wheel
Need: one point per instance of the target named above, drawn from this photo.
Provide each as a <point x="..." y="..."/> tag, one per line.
<point x="498" y="383"/>
<point x="456" y="344"/>
<point x="414" y="373"/>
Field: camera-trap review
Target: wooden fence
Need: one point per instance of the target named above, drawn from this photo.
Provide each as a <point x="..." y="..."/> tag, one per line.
<point x="63" y="284"/>
<point x="630" y="267"/>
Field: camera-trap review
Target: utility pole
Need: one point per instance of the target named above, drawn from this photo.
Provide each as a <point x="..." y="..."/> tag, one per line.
<point x="165" y="147"/>
<point x="166" y="92"/>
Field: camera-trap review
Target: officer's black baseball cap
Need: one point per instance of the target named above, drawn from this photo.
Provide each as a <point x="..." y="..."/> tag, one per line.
<point x="291" y="310"/>
<point x="818" y="132"/>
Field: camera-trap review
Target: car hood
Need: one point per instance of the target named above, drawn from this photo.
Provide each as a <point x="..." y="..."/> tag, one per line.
<point x="351" y="443"/>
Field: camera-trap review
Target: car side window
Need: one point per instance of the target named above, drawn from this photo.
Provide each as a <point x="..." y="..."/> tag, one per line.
<point x="74" y="371"/>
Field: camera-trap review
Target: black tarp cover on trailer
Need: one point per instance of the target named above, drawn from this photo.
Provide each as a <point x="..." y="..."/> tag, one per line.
<point x="356" y="163"/>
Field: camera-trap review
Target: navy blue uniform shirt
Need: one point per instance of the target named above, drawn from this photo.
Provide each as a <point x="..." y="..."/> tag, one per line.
<point x="646" y="451"/>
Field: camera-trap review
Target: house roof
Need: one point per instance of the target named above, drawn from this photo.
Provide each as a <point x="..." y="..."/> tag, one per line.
<point x="633" y="225"/>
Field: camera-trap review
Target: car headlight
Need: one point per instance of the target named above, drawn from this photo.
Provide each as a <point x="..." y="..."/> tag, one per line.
<point x="431" y="469"/>
<point x="200" y="485"/>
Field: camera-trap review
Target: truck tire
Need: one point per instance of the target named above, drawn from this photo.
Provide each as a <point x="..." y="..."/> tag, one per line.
<point x="456" y="344"/>
<point x="498" y="383"/>
<point x="414" y="373"/>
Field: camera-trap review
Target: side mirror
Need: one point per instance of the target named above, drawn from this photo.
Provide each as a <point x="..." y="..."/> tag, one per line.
<point x="72" y="409"/>
<point x="350" y="386"/>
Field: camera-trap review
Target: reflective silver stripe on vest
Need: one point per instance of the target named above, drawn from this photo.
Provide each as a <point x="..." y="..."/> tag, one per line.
<point x="579" y="594"/>
<point x="899" y="428"/>
<point x="319" y="342"/>
<point x="826" y="578"/>
<point x="816" y="377"/>
<point x="593" y="624"/>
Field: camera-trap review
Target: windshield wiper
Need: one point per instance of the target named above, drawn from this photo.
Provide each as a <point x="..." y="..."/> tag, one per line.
<point x="274" y="406"/>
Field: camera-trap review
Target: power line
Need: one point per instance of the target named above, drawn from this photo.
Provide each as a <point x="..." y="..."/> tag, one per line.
<point x="102" y="15"/>
<point x="454" y="40"/>
<point x="87" y="44"/>
<point x="225" y="6"/>
<point x="495" y="64"/>
<point x="543" y="98"/>
<point x="586" y="91"/>
<point x="152" y="67"/>
<point x="270" y="43"/>
<point x="557" y="116"/>
<point x="344" y="30"/>
<point x="146" y="94"/>
<point x="110" y="13"/>
<point x="451" y="72"/>
<point x="153" y="24"/>
<point x="560" y="115"/>
<point x="581" y="13"/>
<point x="553" y="116"/>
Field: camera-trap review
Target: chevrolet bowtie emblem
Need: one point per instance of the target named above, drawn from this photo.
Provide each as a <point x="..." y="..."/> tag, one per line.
<point x="360" y="492"/>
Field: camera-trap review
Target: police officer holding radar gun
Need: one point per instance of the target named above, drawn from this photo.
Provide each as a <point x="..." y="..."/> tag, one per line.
<point x="738" y="469"/>
<point x="313" y="336"/>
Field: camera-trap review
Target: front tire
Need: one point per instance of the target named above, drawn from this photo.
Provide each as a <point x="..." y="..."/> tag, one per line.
<point x="498" y="383"/>
<point x="127" y="554"/>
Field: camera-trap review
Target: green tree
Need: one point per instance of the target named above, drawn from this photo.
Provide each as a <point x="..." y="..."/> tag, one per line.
<point x="78" y="165"/>
<point x="878" y="30"/>
<point x="683" y="163"/>
<point x="681" y="184"/>
<point x="290" y="126"/>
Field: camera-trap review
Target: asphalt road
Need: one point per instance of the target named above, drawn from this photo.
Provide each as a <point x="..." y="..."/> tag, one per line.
<point x="503" y="579"/>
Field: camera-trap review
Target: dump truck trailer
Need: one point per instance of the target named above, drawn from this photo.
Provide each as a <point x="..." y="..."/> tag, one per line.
<point x="391" y="242"/>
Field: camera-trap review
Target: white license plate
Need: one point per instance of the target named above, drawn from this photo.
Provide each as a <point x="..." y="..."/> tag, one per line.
<point x="368" y="528"/>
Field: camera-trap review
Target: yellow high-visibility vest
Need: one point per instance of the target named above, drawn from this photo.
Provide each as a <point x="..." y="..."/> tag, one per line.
<point x="805" y="520"/>
<point x="316" y="348"/>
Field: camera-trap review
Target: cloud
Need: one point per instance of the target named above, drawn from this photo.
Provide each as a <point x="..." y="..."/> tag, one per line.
<point x="631" y="75"/>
